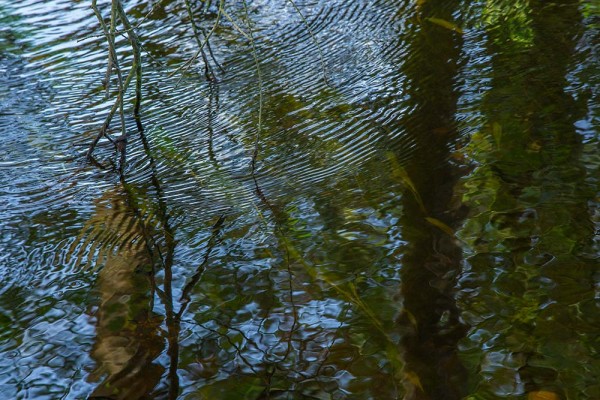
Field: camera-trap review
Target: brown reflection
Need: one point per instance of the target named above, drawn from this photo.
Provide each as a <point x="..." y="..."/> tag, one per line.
<point x="127" y="333"/>
<point x="429" y="318"/>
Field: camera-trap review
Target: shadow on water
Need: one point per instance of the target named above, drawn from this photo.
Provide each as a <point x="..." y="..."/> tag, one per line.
<point x="373" y="200"/>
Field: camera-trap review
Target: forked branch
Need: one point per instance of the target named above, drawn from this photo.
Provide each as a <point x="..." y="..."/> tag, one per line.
<point x="118" y="13"/>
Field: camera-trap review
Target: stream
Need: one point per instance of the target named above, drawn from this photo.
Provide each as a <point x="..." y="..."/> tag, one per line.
<point x="364" y="199"/>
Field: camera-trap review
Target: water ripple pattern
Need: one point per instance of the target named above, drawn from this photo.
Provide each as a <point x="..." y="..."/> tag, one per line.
<point x="273" y="226"/>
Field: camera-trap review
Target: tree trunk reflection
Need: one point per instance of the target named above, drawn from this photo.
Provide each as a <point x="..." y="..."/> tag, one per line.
<point x="526" y="273"/>
<point x="431" y="259"/>
<point x="127" y="335"/>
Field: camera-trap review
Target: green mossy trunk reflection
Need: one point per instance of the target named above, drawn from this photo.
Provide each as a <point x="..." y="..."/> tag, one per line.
<point x="528" y="289"/>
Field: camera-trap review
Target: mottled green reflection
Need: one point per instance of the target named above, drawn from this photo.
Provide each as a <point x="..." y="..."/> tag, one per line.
<point x="528" y="285"/>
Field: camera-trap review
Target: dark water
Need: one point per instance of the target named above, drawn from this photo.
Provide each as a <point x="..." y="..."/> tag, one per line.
<point x="372" y="200"/>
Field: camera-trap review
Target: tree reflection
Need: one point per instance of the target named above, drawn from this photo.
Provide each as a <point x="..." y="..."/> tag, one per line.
<point x="128" y="332"/>
<point x="289" y="298"/>
<point x="528" y="287"/>
<point x="431" y="258"/>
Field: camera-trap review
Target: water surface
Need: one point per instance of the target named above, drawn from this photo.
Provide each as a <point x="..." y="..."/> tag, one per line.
<point x="368" y="200"/>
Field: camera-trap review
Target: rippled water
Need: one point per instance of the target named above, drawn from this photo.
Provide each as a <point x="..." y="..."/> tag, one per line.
<point x="371" y="200"/>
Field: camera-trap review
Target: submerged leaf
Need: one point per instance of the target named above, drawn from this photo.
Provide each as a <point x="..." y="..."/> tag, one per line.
<point x="400" y="173"/>
<point x="439" y="224"/>
<point x="542" y="395"/>
<point x="535" y="146"/>
<point x="445" y="24"/>
<point x="497" y="133"/>
<point x="414" y="379"/>
<point x="411" y="318"/>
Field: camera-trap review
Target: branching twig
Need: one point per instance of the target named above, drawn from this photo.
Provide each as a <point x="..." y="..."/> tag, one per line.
<point x="310" y="32"/>
<point x="112" y="62"/>
<point x="117" y="12"/>
<point x="111" y="113"/>
<point x="137" y="62"/>
<point x="185" y="66"/>
<point x="236" y="26"/>
<point x="154" y="7"/>
<point x="187" y="290"/>
<point x="260" y="92"/>
<point x="208" y="72"/>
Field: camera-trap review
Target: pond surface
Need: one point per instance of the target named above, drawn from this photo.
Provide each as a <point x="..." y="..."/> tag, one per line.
<point x="368" y="200"/>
